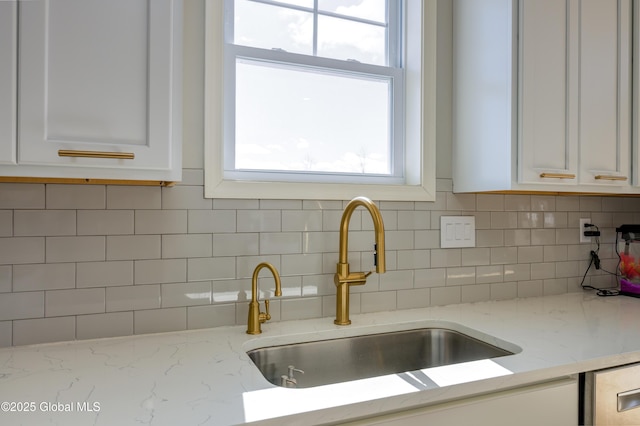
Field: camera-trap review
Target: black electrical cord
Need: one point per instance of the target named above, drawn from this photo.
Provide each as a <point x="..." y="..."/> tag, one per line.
<point x="595" y="261"/>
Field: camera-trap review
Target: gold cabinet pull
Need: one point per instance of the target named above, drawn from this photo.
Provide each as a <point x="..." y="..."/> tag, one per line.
<point x="96" y="154"/>
<point x="608" y="177"/>
<point x="546" y="175"/>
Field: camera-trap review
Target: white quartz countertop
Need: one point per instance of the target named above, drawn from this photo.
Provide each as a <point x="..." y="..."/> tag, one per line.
<point x="205" y="376"/>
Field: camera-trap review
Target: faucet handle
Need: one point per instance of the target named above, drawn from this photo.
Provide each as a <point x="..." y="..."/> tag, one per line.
<point x="265" y="316"/>
<point x="293" y="369"/>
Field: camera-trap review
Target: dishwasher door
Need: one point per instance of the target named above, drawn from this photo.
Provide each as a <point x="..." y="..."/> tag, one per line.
<point x="612" y="396"/>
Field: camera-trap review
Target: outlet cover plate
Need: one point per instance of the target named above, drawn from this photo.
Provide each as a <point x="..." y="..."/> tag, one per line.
<point x="457" y="231"/>
<point x="584" y="239"/>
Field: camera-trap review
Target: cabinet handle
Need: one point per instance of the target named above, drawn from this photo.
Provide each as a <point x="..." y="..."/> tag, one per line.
<point x="546" y="175"/>
<point x="605" y="177"/>
<point x="628" y="400"/>
<point x="96" y="154"/>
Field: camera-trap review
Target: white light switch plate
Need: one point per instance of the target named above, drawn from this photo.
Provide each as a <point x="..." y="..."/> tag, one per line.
<point x="457" y="231"/>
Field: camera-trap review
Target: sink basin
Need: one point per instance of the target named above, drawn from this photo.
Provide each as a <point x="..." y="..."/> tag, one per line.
<point x="339" y="360"/>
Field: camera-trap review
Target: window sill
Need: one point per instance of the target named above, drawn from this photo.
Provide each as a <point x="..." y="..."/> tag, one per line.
<point x="318" y="191"/>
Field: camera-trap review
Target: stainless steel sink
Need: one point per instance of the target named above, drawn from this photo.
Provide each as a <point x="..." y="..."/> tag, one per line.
<point x="340" y="360"/>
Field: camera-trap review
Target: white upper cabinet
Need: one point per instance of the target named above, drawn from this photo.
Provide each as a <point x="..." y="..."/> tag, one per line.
<point x="542" y="95"/>
<point x="605" y="92"/>
<point x="548" y="142"/>
<point x="99" y="92"/>
<point x="8" y="68"/>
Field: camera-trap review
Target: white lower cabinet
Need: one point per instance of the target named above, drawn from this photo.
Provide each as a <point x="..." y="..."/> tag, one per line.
<point x="99" y="89"/>
<point x="550" y="404"/>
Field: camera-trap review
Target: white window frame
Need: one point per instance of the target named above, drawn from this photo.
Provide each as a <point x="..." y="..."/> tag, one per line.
<point x="419" y="124"/>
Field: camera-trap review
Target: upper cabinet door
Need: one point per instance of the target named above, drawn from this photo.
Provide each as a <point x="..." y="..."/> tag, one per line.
<point x="8" y="71"/>
<point x="605" y="92"/>
<point x="548" y="140"/>
<point x="101" y="76"/>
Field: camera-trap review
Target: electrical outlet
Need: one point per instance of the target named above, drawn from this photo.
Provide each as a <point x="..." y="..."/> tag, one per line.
<point x="584" y="239"/>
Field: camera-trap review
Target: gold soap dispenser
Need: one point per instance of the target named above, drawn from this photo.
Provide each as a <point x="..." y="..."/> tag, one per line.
<point x="255" y="316"/>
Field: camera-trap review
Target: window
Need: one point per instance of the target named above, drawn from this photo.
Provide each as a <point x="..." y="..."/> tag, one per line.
<point x="316" y="99"/>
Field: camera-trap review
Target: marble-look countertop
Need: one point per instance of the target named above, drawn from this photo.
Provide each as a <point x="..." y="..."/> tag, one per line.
<point x="205" y="376"/>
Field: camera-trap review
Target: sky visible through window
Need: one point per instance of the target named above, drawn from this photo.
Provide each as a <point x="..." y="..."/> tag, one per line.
<point x="299" y="118"/>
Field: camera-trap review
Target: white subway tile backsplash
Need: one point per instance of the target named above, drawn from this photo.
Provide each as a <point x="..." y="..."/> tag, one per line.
<point x="531" y="288"/>
<point x="427" y="239"/>
<point x="21" y="305"/>
<point x="413" y="259"/>
<point x="302" y="220"/>
<point x="74" y="302"/>
<point x="133" y="247"/>
<point x="211" y="268"/>
<point x="22" y="196"/>
<point x="504" y="220"/>
<point x="104" y="274"/>
<point x="105" y="222"/>
<point x="413" y="220"/>
<point x="76" y="197"/>
<point x="19" y="250"/>
<point x="131" y="298"/>
<point x="91" y="261"/>
<point x="49" y="276"/>
<point x="396" y="280"/>
<point x="430" y="277"/>
<point x="134" y="197"/>
<point x="75" y="249"/>
<point x="506" y="290"/>
<point x="554" y="286"/>
<point x="531" y="254"/>
<point x="543" y="203"/>
<point x="490" y="274"/>
<point x="489" y="238"/>
<point x="298" y="309"/>
<point x="517" y="237"/>
<point x="490" y="202"/>
<point x="211" y="316"/>
<point x="517" y="272"/>
<point x="160" y="271"/>
<point x="475" y="256"/>
<point x="236" y="244"/>
<point x="159" y="320"/>
<point x="185" y="197"/>
<point x="280" y="243"/>
<point x="6" y="223"/>
<point x="6" y="278"/>
<point x="475" y="293"/>
<point x="461" y="276"/>
<point x="97" y="326"/>
<point x="378" y="301"/>
<point x="44" y="222"/>
<point x="161" y="222"/>
<point x="445" y="295"/>
<point x="211" y="221"/>
<point x="44" y="330"/>
<point x="593" y="204"/>
<point x="6" y="334"/>
<point x="518" y="203"/>
<point x="555" y="253"/>
<point x="259" y="221"/>
<point x="504" y="255"/>
<point x="186" y="245"/>
<point x="446" y="258"/>
<point x="413" y="298"/>
<point x="541" y="271"/>
<point x="185" y="294"/>
<point x="302" y="264"/>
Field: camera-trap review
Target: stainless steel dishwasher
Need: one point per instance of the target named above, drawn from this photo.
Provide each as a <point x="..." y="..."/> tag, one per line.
<point x="612" y="397"/>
